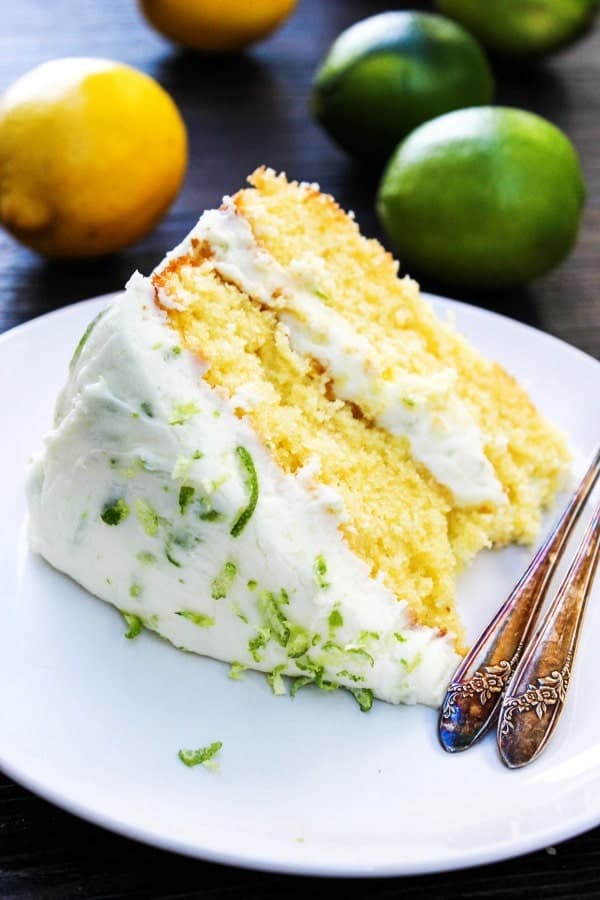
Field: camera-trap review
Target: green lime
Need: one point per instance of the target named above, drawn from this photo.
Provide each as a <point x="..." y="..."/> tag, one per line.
<point x="483" y="197"/>
<point x="386" y="75"/>
<point x="523" y="27"/>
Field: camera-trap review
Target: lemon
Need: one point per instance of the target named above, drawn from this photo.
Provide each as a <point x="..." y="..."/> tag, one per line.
<point x="92" y="152"/>
<point x="216" y="26"/>
<point x="389" y="73"/>
<point x="483" y="197"/>
<point x="522" y="28"/>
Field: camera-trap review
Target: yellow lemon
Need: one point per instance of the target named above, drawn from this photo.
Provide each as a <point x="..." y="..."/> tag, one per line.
<point x="92" y="152"/>
<point x="216" y="26"/>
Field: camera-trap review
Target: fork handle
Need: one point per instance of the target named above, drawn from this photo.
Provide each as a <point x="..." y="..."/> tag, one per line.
<point x="473" y="697"/>
<point x="536" y="695"/>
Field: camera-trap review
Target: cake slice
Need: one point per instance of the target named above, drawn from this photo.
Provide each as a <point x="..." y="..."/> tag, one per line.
<point x="272" y="453"/>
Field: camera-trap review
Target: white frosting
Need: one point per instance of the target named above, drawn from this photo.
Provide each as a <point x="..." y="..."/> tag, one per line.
<point x="422" y="408"/>
<point x="136" y="422"/>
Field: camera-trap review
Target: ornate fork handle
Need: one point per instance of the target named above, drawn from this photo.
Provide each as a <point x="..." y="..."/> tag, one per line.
<point x="536" y="694"/>
<point x="473" y="698"/>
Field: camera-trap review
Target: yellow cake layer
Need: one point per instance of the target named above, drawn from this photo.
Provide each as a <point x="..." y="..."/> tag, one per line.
<point x="399" y="519"/>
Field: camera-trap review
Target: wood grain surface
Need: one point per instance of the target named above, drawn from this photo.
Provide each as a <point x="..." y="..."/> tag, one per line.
<point x="240" y="112"/>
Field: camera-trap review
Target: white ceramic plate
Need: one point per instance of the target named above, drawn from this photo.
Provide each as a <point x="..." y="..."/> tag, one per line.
<point x="93" y="722"/>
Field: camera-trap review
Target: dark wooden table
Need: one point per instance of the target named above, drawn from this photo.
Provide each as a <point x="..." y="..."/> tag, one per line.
<point x="241" y="112"/>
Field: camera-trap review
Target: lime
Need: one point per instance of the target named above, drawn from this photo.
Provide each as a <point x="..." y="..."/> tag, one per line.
<point x="523" y="27"/>
<point x="386" y="75"/>
<point x="483" y="197"/>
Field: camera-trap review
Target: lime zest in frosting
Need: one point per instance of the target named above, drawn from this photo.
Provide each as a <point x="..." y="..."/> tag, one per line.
<point x="300" y="682"/>
<point x="202" y="620"/>
<point x="365" y="636"/>
<point x="352" y="676"/>
<point x="114" y="512"/>
<point x="358" y="651"/>
<point x="335" y="620"/>
<point x="299" y="641"/>
<point x="182" y="467"/>
<point x="238" y="612"/>
<point x="134" y="625"/>
<point x="147" y="516"/>
<point x="364" y="698"/>
<point x="320" y="571"/>
<point x="412" y="665"/>
<point x="147" y="559"/>
<point x="212" y="515"/>
<point x="276" y="681"/>
<point x="84" y="337"/>
<point x="236" y="671"/>
<point x="251" y="483"/>
<point x="186" y="495"/>
<point x="223" y="581"/>
<point x="274" y="617"/>
<point x="317" y="673"/>
<point x="258" y="643"/>
<point x="170" y="557"/>
<point x="182" y="412"/>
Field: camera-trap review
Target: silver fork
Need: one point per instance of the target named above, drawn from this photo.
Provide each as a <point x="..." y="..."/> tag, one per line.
<point x="536" y="693"/>
<point x="473" y="698"/>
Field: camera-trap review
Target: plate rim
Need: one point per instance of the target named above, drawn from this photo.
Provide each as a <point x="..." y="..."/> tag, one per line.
<point x="554" y="833"/>
<point x="251" y="861"/>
